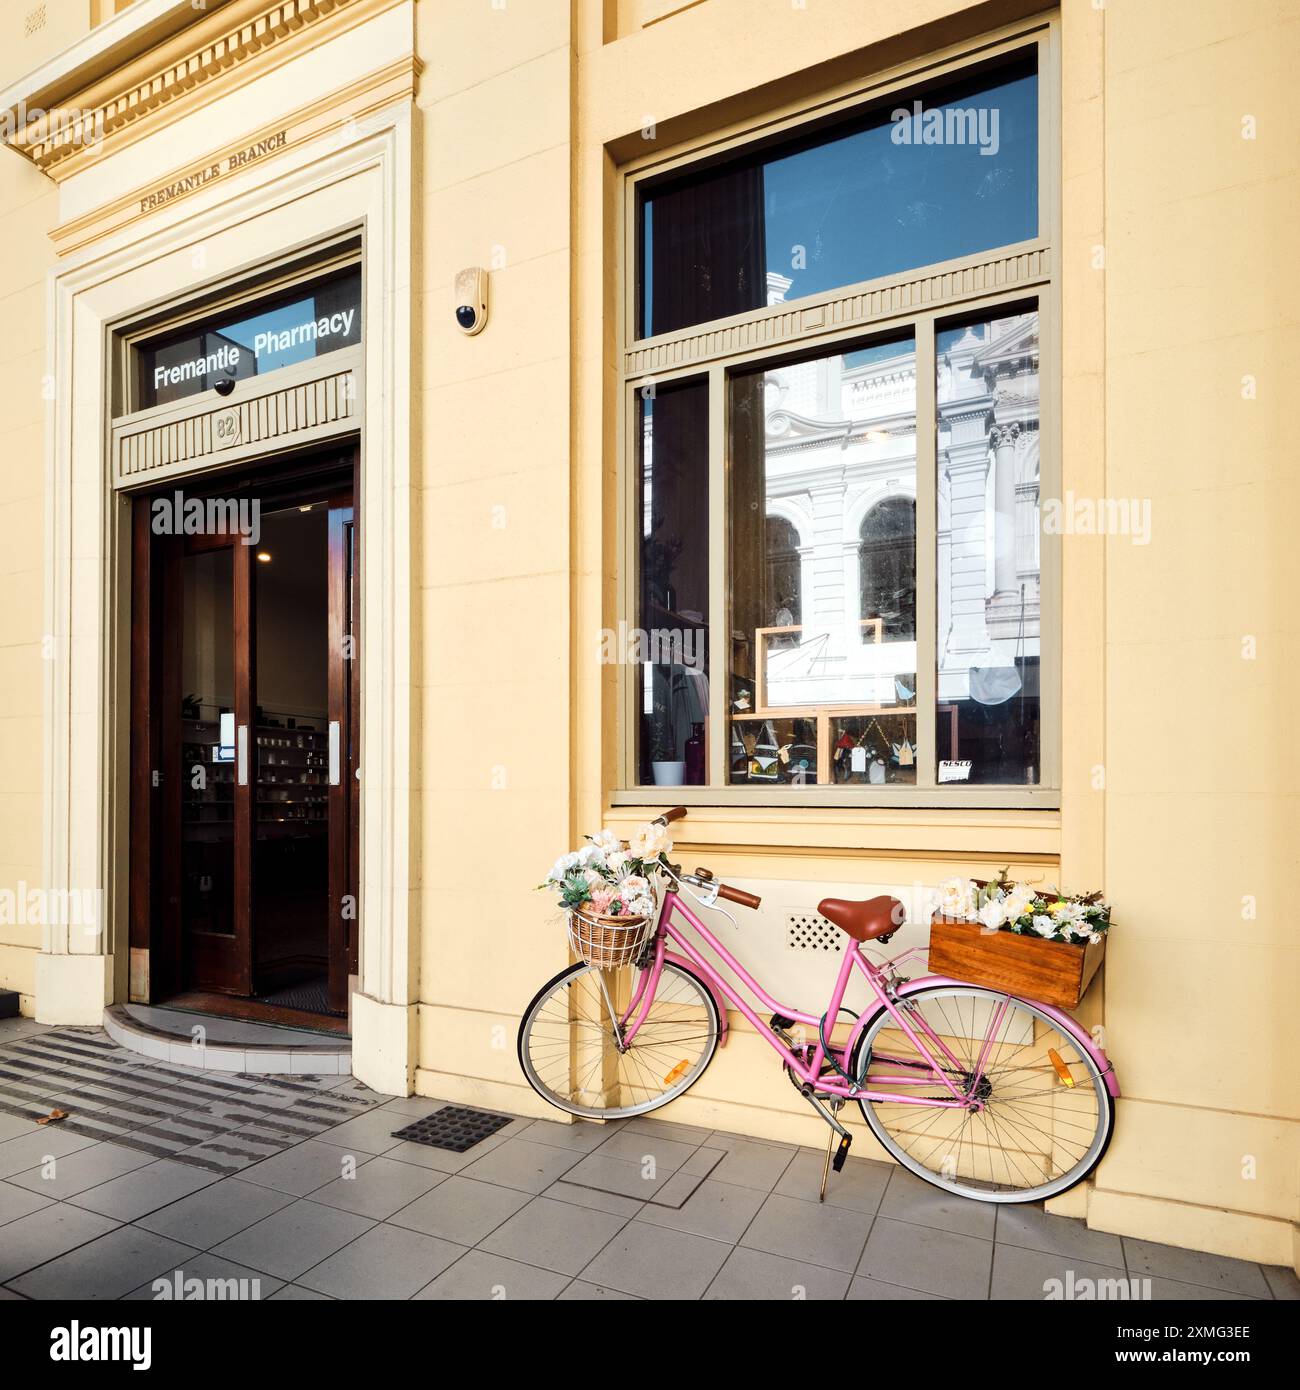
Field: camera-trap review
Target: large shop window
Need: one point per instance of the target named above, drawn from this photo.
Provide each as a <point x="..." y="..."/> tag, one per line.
<point x="839" y="580"/>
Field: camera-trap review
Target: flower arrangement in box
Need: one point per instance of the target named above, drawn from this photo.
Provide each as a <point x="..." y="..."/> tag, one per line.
<point x="1077" y="918"/>
<point x="607" y="889"/>
<point x="1044" y="946"/>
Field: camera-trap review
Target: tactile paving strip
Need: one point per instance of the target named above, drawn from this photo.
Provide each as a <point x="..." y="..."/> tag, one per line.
<point x="454" y="1127"/>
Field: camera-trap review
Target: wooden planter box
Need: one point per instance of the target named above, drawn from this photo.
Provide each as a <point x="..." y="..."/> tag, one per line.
<point x="1055" y="972"/>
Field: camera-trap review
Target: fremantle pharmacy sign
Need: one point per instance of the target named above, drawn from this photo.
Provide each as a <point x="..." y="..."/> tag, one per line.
<point x="252" y="340"/>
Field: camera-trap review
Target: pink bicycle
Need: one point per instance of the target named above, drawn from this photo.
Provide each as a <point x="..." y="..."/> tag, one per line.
<point x="983" y="1094"/>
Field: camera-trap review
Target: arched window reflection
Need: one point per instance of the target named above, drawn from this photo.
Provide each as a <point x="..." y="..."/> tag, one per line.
<point x="784" y="573"/>
<point x="887" y="565"/>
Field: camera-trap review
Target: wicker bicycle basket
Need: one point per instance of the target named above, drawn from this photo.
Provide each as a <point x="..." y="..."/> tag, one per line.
<point x="608" y="942"/>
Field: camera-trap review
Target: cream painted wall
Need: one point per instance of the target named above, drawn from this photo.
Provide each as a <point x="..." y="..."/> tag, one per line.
<point x="27" y="212"/>
<point x="493" y="518"/>
<point x="1201" y="769"/>
<point x="32" y="32"/>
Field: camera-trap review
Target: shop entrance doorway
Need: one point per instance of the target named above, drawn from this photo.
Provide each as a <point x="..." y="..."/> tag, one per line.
<point x="244" y="743"/>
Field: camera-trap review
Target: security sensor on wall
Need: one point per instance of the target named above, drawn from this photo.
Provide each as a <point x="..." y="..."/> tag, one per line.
<point x="472" y="300"/>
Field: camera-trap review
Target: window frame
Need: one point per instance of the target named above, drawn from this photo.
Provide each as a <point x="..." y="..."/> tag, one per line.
<point x="919" y="301"/>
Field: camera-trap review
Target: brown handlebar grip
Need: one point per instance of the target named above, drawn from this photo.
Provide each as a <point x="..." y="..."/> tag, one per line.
<point x="738" y="895"/>
<point x="675" y="814"/>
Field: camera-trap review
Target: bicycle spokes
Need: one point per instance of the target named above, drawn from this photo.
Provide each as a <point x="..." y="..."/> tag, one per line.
<point x="1035" y="1111"/>
<point x="572" y="1041"/>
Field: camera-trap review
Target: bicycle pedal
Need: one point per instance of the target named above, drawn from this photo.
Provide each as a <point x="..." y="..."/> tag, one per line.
<point x="842" y="1152"/>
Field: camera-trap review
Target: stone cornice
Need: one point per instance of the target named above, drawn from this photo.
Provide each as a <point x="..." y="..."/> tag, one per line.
<point x="243" y="39"/>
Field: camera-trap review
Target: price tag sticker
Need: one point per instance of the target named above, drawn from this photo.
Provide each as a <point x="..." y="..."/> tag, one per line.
<point x="952" y="771"/>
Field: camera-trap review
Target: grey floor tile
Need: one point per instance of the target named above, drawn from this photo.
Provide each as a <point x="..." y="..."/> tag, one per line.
<point x="677" y="1190"/>
<point x="692" y="1135"/>
<point x="416" y="1107"/>
<point x="85" y="1168"/>
<point x="11" y="1126"/>
<point x="622" y="1176"/>
<point x="807" y="1231"/>
<point x="371" y="1132"/>
<point x="215" y="1213"/>
<point x="203" y="1277"/>
<point x="862" y="1290"/>
<point x="290" y="1241"/>
<point x="755" y="1274"/>
<point x="444" y="1160"/>
<point x="583" y="1135"/>
<point x="553" y="1235"/>
<point x="650" y="1150"/>
<point x="1195" y="1267"/>
<point x="378" y="1188"/>
<point x="479" y="1275"/>
<point x="653" y="1262"/>
<point x="295" y="1293"/>
<point x="385" y="1262"/>
<point x="751" y="1164"/>
<point x="461" y="1210"/>
<point x="920" y="1257"/>
<point x="591" y="1293"/>
<point x="1034" y="1229"/>
<point x="145" y="1189"/>
<point x="593" y="1199"/>
<point x="908" y="1198"/>
<point x="1282" y="1281"/>
<point x="719" y="1210"/>
<point x="31" y="1150"/>
<point x="43" y="1235"/>
<point x="303" y="1168"/>
<point x="859" y="1186"/>
<point x="18" y="1201"/>
<point x="1036" y="1275"/>
<point x="9" y="1296"/>
<point x="1172" y="1290"/>
<point x="524" y="1165"/>
<point x="108" y="1267"/>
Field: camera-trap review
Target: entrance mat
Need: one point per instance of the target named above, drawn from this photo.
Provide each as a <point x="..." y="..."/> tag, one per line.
<point x="454" y="1127"/>
<point x="311" y="996"/>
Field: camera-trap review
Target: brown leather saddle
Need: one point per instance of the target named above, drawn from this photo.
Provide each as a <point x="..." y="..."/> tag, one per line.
<point x="864" y="921"/>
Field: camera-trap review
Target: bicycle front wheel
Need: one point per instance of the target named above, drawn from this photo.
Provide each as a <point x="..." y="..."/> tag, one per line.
<point x="570" y="1051"/>
<point x="1040" y="1115"/>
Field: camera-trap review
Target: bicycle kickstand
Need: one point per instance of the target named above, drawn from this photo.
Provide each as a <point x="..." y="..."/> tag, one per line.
<point x="834" y="1156"/>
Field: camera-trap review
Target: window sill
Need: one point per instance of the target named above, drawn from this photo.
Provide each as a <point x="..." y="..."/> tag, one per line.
<point x="1018" y="832"/>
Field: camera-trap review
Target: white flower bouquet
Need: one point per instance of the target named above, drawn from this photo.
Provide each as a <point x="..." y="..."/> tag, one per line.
<point x="607" y="890"/>
<point x="606" y="878"/>
<point x="1075" y="918"/>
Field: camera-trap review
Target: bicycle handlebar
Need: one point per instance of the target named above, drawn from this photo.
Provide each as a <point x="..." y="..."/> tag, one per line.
<point x="675" y="814"/>
<point x="738" y="895"/>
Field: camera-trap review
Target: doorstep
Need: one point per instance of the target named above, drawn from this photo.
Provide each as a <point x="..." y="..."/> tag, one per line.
<point x="230" y="1045"/>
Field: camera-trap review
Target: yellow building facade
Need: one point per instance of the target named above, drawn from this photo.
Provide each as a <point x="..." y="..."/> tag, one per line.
<point x="203" y="149"/>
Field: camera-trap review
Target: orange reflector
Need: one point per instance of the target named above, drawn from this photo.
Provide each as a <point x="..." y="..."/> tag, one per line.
<point x="1061" y="1069"/>
<point x="677" y="1073"/>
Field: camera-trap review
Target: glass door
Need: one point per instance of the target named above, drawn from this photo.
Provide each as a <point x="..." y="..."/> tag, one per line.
<point x="255" y="809"/>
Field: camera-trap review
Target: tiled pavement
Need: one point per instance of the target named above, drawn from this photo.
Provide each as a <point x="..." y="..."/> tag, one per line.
<point x="298" y="1184"/>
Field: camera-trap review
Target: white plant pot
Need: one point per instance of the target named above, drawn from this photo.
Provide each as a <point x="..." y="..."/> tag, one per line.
<point x="669" y="774"/>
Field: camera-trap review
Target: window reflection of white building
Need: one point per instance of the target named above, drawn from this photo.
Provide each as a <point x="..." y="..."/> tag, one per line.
<point x="841" y="475"/>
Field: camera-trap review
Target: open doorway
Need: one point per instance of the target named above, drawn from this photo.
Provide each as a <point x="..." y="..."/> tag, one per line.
<point x="244" y="695"/>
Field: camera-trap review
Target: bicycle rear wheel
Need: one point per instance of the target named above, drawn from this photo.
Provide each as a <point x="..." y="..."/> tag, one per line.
<point x="570" y="1054"/>
<point x="1045" y="1115"/>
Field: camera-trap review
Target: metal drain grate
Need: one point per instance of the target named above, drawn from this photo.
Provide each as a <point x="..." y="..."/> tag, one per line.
<point x="454" y="1127"/>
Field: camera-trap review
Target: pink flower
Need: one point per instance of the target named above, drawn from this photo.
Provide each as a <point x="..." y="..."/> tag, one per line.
<point x="601" y="898"/>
